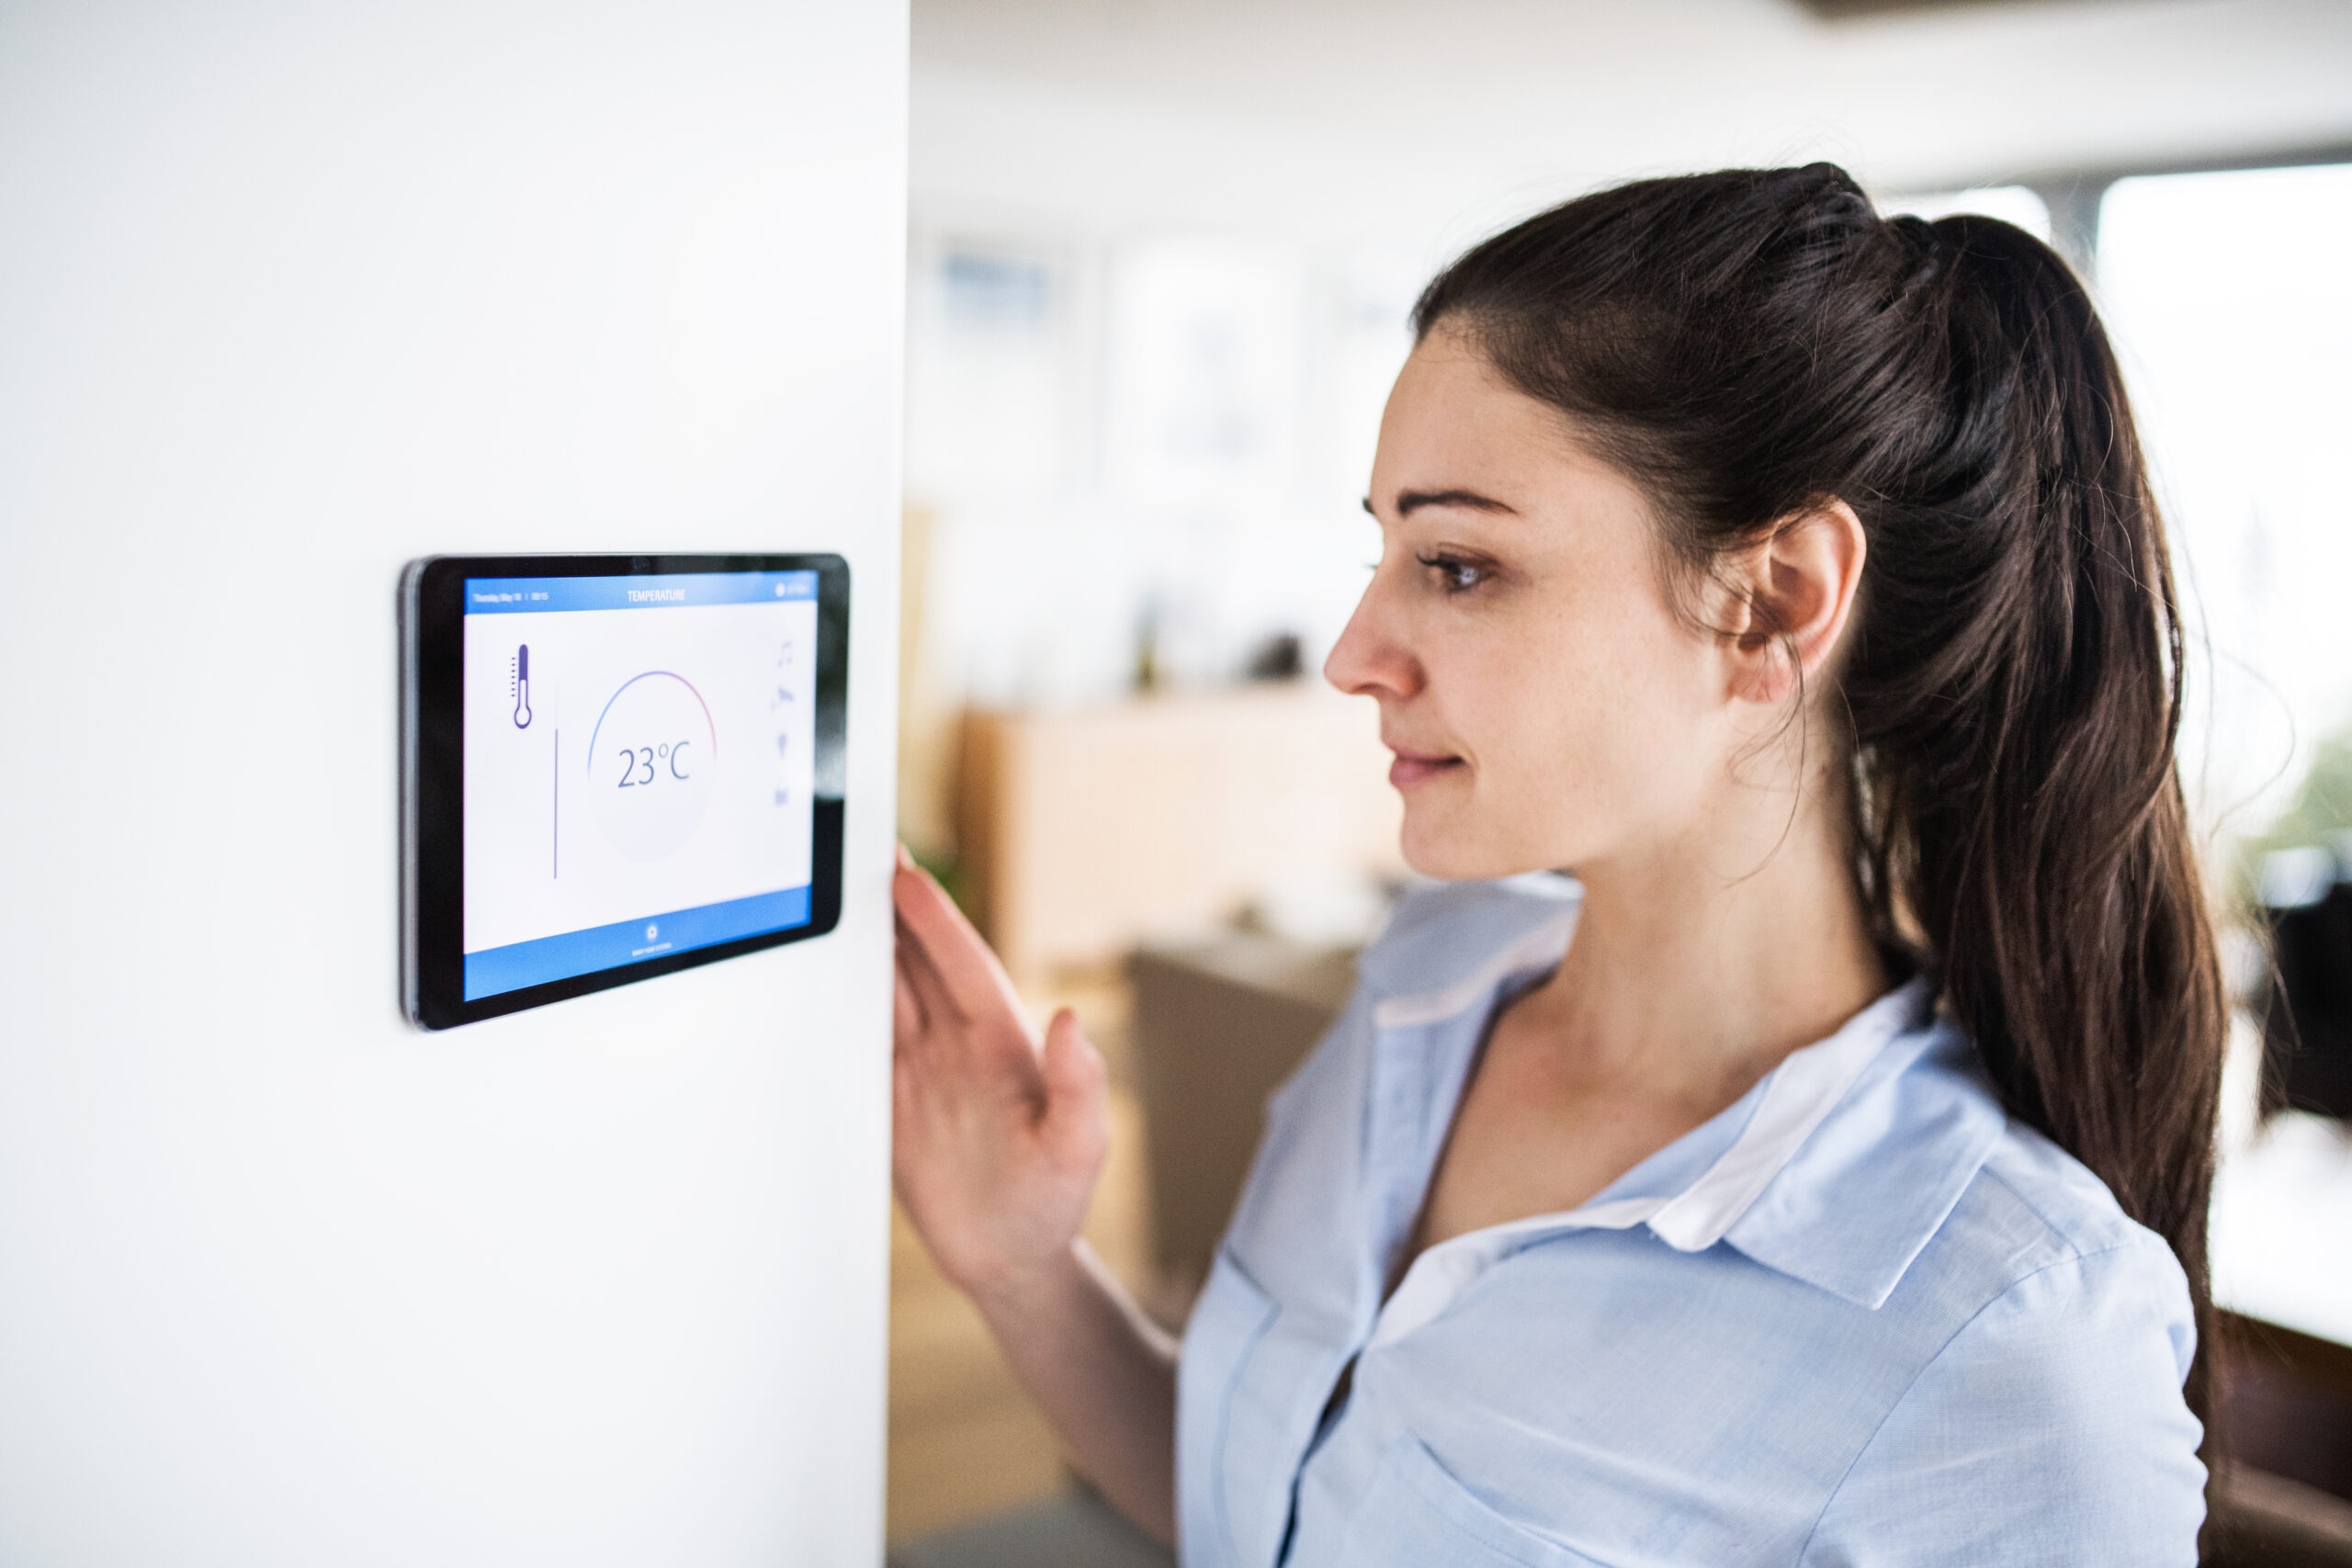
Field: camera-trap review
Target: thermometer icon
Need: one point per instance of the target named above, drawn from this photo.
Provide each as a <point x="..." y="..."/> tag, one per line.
<point x="523" y="686"/>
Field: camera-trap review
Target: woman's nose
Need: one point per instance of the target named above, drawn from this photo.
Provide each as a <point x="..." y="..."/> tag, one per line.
<point x="1368" y="660"/>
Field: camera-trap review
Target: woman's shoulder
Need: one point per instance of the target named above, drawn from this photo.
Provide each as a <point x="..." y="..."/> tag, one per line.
<point x="2034" y="1347"/>
<point x="2066" y="1211"/>
<point x="1920" y="1189"/>
<point x="2032" y="1209"/>
<point x="1919" y="1198"/>
<point x="2054" y="1258"/>
<point x="2055" y="1385"/>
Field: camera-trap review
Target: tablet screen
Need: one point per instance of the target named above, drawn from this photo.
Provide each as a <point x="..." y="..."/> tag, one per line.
<point x="639" y="757"/>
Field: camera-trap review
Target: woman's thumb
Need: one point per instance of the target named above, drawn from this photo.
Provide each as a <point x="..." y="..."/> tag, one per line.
<point x="1075" y="1092"/>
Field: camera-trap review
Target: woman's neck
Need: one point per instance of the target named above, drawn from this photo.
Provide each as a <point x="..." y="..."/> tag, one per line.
<point x="1697" y="965"/>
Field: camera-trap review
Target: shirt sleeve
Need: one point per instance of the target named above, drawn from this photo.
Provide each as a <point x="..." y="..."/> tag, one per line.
<point x="2051" y="1429"/>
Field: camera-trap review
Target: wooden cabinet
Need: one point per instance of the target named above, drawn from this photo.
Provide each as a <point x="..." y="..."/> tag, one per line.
<point x="1085" y="831"/>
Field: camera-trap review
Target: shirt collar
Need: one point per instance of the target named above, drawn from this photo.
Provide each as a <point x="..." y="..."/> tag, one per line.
<point x="1855" y="1150"/>
<point x="1521" y="923"/>
<point x="1861" y="1197"/>
<point x="1791" y="1102"/>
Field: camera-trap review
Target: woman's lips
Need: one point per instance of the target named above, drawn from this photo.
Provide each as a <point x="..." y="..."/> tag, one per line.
<point x="1412" y="767"/>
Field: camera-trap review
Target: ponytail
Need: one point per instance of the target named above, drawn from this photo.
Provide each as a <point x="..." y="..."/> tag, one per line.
<point x="1746" y="344"/>
<point x="2024" y="802"/>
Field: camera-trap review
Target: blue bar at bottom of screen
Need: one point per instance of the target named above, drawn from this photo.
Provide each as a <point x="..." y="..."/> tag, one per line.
<point x="496" y="970"/>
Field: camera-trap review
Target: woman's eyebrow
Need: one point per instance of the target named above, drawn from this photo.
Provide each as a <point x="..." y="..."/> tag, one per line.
<point x="1410" y="500"/>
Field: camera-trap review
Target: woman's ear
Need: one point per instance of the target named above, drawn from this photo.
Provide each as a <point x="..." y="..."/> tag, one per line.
<point x="1794" y="592"/>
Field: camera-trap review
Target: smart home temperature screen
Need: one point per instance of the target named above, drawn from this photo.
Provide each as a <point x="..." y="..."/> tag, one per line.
<point x="638" y="771"/>
<point x="640" y="774"/>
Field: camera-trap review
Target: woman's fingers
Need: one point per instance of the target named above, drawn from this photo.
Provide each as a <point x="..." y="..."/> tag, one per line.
<point x="905" y="1125"/>
<point x="908" y="1021"/>
<point x="966" y="967"/>
<point x="921" y="976"/>
<point x="915" y="956"/>
<point x="971" y="1031"/>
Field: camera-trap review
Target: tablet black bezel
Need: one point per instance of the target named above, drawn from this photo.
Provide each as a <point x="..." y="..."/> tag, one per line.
<point x="432" y="617"/>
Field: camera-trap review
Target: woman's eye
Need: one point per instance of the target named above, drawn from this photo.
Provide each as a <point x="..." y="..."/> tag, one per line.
<point x="1456" y="575"/>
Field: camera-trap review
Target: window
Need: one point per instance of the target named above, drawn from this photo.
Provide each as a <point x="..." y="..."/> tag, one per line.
<point x="2226" y="295"/>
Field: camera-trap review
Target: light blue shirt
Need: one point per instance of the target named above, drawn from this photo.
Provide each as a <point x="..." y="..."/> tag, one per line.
<point x="1861" y="1318"/>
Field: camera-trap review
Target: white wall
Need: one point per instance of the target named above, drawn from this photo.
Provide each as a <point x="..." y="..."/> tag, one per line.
<point x="290" y="293"/>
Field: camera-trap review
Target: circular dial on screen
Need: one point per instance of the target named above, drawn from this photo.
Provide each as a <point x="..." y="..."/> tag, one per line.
<point x="650" y="764"/>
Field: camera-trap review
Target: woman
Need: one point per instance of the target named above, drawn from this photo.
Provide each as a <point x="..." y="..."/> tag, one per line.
<point x="1819" y="1175"/>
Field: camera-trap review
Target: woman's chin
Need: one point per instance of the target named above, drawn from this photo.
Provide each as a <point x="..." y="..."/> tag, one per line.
<point x="1442" y="846"/>
<point x="1443" y="850"/>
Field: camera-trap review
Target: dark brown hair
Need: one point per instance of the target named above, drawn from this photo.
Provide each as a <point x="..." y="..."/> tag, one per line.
<point x="1749" y="342"/>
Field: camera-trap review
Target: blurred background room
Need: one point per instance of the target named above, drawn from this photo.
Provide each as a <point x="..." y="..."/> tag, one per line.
<point x="1162" y="255"/>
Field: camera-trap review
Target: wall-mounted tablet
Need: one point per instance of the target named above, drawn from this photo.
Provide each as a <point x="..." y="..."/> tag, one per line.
<point x="615" y="767"/>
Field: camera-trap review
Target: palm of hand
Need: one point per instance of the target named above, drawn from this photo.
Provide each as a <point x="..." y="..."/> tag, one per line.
<point x="997" y="1139"/>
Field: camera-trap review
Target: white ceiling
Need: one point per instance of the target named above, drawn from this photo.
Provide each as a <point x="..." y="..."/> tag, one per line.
<point x="1431" y="119"/>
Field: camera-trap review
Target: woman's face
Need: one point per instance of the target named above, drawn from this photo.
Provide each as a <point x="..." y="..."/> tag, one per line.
<point x="1548" y="703"/>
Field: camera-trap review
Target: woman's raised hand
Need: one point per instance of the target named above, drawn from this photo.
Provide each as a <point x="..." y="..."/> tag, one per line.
<point x="997" y="1137"/>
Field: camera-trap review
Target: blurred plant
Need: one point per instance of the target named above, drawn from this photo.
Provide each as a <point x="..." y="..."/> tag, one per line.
<point x="2321" y="810"/>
